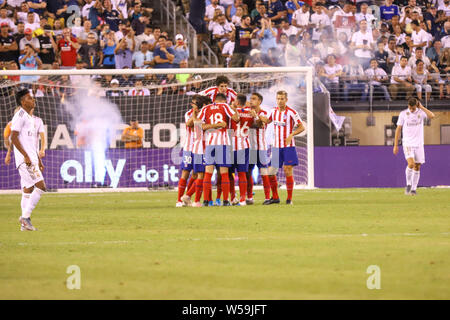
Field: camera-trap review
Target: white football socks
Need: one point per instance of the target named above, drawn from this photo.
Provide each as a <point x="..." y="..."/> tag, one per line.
<point x="24" y="202"/>
<point x="409" y="174"/>
<point x="415" y="180"/>
<point x="34" y="199"/>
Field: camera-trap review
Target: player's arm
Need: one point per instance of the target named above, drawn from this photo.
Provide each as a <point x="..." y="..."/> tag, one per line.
<point x="15" y="141"/>
<point x="397" y="136"/>
<point x="299" y="129"/>
<point x="430" y="114"/>
<point x="42" y="150"/>
<point x="8" y="154"/>
<point x="206" y="126"/>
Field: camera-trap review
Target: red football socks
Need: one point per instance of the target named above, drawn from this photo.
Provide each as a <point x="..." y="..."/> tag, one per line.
<point x="266" y="185"/>
<point x="242" y="185"/>
<point x="198" y="189"/>
<point x="181" y="188"/>
<point x="225" y="186"/>
<point x="274" y="186"/>
<point x="249" y="187"/>
<point x="289" y="187"/>
<point x="207" y="186"/>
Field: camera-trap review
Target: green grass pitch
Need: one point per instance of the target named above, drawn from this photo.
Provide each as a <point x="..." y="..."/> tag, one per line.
<point x="139" y="246"/>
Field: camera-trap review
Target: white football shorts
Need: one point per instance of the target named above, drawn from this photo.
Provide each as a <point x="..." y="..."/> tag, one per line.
<point x="417" y="153"/>
<point x="29" y="176"/>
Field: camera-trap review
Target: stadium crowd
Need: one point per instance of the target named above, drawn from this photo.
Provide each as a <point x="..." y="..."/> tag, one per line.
<point x="398" y="47"/>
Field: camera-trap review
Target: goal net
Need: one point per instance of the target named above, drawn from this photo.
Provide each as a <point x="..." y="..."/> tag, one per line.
<point x="85" y="113"/>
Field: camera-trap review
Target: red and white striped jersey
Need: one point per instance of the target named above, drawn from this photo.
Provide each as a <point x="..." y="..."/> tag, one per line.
<point x="241" y="129"/>
<point x="258" y="136"/>
<point x="189" y="136"/>
<point x="139" y="92"/>
<point x="216" y="113"/>
<point x="213" y="91"/>
<point x="284" y="123"/>
<point x="198" y="143"/>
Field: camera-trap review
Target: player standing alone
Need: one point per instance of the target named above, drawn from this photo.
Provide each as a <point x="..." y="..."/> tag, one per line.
<point x="410" y="123"/>
<point x="287" y="124"/>
<point x="28" y="162"/>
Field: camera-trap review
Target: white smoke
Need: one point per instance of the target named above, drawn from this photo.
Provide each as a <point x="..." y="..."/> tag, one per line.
<point x="94" y="120"/>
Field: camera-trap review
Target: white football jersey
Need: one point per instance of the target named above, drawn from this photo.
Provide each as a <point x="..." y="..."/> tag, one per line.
<point x="412" y="127"/>
<point x="25" y="124"/>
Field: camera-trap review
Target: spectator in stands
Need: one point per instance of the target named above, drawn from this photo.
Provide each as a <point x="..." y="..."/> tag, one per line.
<point x="421" y="76"/>
<point x="110" y="15"/>
<point x="444" y="68"/>
<point x="228" y="51"/>
<point x="162" y="55"/>
<point x="5" y="19"/>
<point x="267" y="35"/>
<point x="85" y="9"/>
<point x="363" y="45"/>
<point x="29" y="61"/>
<point x="109" y="45"/>
<point x="262" y="13"/>
<point x="181" y="51"/>
<point x="419" y="36"/>
<point x="222" y="31"/>
<point x="242" y="42"/>
<point x="430" y="18"/>
<point x="143" y="58"/>
<point x="331" y="73"/>
<point x="48" y="46"/>
<point x="401" y="79"/>
<point x="90" y="53"/>
<point x="445" y="35"/>
<point x="133" y="135"/>
<point x="68" y="47"/>
<point x="291" y="7"/>
<point x="125" y="81"/>
<point x="28" y="39"/>
<point x="210" y="9"/>
<point x="115" y="91"/>
<point x="301" y="18"/>
<point x="122" y="7"/>
<point x="377" y="78"/>
<point x="22" y="15"/>
<point x="8" y="45"/>
<point x="388" y="11"/>
<point x="138" y="89"/>
<point x="434" y="52"/>
<point x="320" y="22"/>
<point x="237" y="17"/>
<point x="419" y="56"/>
<point x="381" y="56"/>
<point x="146" y="36"/>
<point x="276" y="11"/>
<point x="364" y="15"/>
<point x="353" y="76"/>
<point x="156" y="35"/>
<point x="344" y="20"/>
<point x="139" y="24"/>
<point x="292" y="54"/>
<point x="231" y="11"/>
<point x="30" y="23"/>
<point x="85" y="32"/>
<point x="255" y="59"/>
<point x="123" y="56"/>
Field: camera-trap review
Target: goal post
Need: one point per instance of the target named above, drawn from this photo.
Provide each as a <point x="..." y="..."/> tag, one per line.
<point x="71" y="101"/>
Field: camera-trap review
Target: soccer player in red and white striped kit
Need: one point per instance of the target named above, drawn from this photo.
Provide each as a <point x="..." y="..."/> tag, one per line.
<point x="222" y="83"/>
<point x="216" y="118"/>
<point x="258" y="148"/>
<point x="287" y="124"/>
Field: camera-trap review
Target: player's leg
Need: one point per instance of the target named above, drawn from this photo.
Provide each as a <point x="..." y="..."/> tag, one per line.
<point x="275" y="163"/>
<point x="226" y="163"/>
<point x="242" y="168"/>
<point x="199" y="172"/>
<point x="409" y="156"/>
<point x="231" y="177"/>
<point x="290" y="159"/>
<point x="262" y="163"/>
<point x="182" y="182"/>
<point x="191" y="184"/>
<point x="209" y="169"/>
<point x="33" y="186"/>
<point x="419" y="159"/>
<point x="250" y="184"/>
<point x="218" y="187"/>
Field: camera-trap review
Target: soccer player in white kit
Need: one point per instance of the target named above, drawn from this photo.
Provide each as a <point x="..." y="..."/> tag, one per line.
<point x="410" y="123"/>
<point x="28" y="162"/>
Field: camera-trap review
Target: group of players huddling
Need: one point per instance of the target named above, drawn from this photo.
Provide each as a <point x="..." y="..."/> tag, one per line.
<point x="226" y="132"/>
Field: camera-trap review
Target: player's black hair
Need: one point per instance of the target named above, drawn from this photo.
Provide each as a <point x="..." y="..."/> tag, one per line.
<point x="20" y="94"/>
<point x="222" y="79"/>
<point x="412" y="102"/>
<point x="205" y="100"/>
<point x="241" y="99"/>
<point x="260" y="97"/>
<point x="221" y="97"/>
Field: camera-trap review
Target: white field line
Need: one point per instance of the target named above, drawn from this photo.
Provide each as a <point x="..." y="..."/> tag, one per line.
<point x="407" y="234"/>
